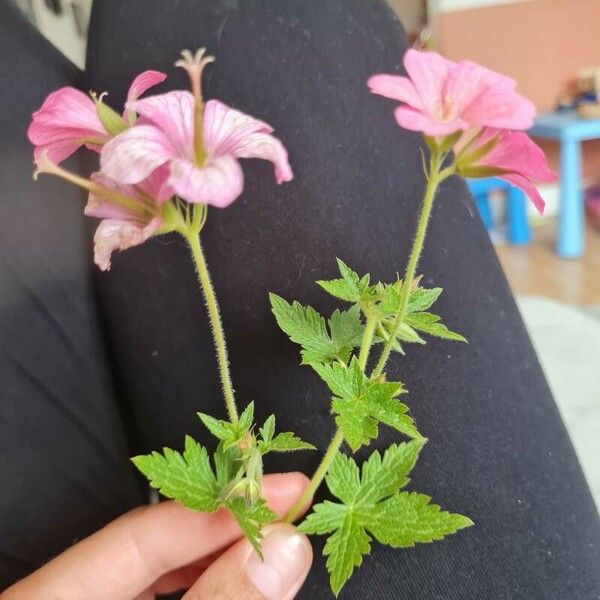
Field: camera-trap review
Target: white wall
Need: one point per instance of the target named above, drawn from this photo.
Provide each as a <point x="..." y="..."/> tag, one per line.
<point x="437" y="6"/>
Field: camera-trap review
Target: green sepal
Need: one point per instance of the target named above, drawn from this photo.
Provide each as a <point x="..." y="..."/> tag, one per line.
<point x="110" y="119"/>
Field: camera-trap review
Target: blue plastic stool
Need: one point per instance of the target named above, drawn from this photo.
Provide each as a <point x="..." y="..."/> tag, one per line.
<point x="516" y="207"/>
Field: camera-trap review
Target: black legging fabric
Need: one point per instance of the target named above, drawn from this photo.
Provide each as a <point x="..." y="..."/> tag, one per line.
<point x="498" y="450"/>
<point x="63" y="453"/>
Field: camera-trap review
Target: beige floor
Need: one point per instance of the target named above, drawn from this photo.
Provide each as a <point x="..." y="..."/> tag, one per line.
<point x="535" y="270"/>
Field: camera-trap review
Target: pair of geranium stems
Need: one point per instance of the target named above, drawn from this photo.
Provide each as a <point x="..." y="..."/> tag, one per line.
<point x="190" y="229"/>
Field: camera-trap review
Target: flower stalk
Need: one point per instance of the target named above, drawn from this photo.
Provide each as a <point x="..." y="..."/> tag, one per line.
<point x="192" y="236"/>
<point x="434" y="177"/>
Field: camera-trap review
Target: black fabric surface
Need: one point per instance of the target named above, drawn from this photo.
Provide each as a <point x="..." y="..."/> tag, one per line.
<point x="498" y="451"/>
<point x="63" y="458"/>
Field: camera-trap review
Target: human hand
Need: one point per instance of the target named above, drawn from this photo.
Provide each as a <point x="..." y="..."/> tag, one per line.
<point x="164" y="548"/>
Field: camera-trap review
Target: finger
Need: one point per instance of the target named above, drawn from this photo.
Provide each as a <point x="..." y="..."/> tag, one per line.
<point x="130" y="554"/>
<point x="240" y="574"/>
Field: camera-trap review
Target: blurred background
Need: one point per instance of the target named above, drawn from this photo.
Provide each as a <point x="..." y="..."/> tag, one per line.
<point x="552" y="49"/>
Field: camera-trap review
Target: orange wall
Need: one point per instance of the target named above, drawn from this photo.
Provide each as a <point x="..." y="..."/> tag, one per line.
<point x="542" y="44"/>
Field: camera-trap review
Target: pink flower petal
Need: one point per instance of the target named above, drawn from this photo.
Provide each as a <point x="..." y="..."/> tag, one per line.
<point x="173" y="113"/>
<point x="528" y="187"/>
<point x="516" y="151"/>
<point x="229" y="131"/>
<point x="65" y="121"/>
<point x="427" y="71"/>
<point x="114" y="235"/>
<point x="56" y="151"/>
<point x="495" y="107"/>
<point x="136" y="153"/>
<point x="218" y="183"/>
<point x="142" y="83"/>
<point x="397" y="88"/>
<point x="101" y="208"/>
<point x="156" y="185"/>
<point x="417" y="121"/>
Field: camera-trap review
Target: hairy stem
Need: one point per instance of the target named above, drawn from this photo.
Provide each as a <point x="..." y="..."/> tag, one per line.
<point x="435" y="177"/>
<point x="193" y="239"/>
<point x="338" y="437"/>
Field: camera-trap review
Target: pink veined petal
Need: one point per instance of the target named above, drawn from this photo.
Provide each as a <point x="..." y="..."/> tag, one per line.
<point x="156" y="185"/>
<point x="467" y="81"/>
<point x="114" y="235"/>
<point x="417" y="121"/>
<point x="498" y="108"/>
<point x="226" y="128"/>
<point x="528" y="188"/>
<point x="396" y="87"/>
<point x="134" y="154"/>
<point x="218" y="183"/>
<point x="142" y="83"/>
<point x="267" y="147"/>
<point x="428" y="72"/>
<point x="516" y="151"/>
<point x="66" y="119"/>
<point x="173" y="113"/>
<point x="101" y="208"/>
<point x="56" y="151"/>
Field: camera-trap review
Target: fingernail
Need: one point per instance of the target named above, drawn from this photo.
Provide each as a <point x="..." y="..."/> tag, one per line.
<point x="287" y="555"/>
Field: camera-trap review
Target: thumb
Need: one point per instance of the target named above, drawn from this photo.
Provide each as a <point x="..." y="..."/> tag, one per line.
<point x="240" y="573"/>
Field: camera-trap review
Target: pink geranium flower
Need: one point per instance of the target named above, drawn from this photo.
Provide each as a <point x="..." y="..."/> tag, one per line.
<point x="199" y="143"/>
<point x="509" y="155"/>
<point x="68" y="119"/>
<point x="441" y="97"/>
<point x="123" y="227"/>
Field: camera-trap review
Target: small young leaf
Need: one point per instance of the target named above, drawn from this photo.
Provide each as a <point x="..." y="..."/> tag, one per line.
<point x="251" y="518"/>
<point x="346" y="328"/>
<point x="360" y="404"/>
<point x="222" y="430"/>
<point x="284" y="442"/>
<point x="268" y="429"/>
<point x="187" y="478"/>
<point x="246" y="419"/>
<point x="422" y="298"/>
<point x="428" y="323"/>
<point x="305" y="326"/>
<point x="351" y="287"/>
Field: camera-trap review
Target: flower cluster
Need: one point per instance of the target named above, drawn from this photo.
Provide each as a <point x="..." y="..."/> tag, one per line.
<point x="473" y="109"/>
<point x="161" y="147"/>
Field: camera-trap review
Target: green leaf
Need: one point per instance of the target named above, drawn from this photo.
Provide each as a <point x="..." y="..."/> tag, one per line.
<point x="374" y="505"/>
<point x="251" y="518"/>
<point x="226" y="464"/>
<point x="428" y="323"/>
<point x="345" y="550"/>
<point x="268" y="429"/>
<point x="326" y="517"/>
<point x="422" y="298"/>
<point x="305" y="326"/>
<point x="407" y="518"/>
<point x="346" y="329"/>
<point x="222" y="430"/>
<point x="360" y="404"/>
<point x="351" y="287"/>
<point x="187" y="478"/>
<point x="246" y="419"/>
<point x="284" y="442"/>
